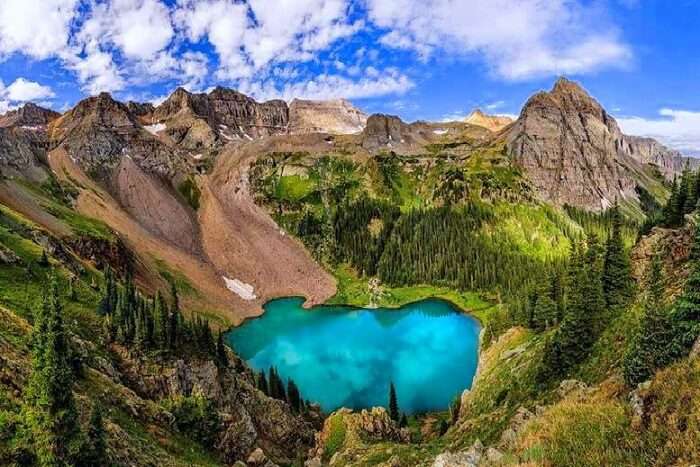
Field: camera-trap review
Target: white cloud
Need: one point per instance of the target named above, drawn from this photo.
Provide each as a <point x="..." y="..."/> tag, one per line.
<point x="677" y="129"/>
<point x="97" y="72"/>
<point x="22" y="90"/>
<point x="517" y="38"/>
<point x="36" y="28"/>
<point x="250" y="36"/>
<point x="327" y="86"/>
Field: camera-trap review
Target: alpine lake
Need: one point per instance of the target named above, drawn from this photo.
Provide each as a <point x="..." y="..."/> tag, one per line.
<point x="341" y="356"/>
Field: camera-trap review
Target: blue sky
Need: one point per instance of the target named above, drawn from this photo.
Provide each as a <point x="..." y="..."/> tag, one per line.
<point x="420" y="59"/>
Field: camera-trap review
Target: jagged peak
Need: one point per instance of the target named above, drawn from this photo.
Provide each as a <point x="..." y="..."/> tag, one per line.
<point x="28" y="114"/>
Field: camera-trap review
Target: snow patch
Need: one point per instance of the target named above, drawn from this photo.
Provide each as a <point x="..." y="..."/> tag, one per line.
<point x="440" y="132"/>
<point x="197" y="156"/>
<point x="243" y="290"/>
<point x="32" y="128"/>
<point x="155" y="129"/>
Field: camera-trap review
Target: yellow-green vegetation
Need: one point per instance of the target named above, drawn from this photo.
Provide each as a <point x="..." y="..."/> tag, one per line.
<point x="55" y="197"/>
<point x="336" y="437"/>
<point x="356" y="291"/>
<point x="538" y="231"/>
<point x="506" y="381"/>
<point x="582" y="433"/>
<point x="81" y="225"/>
<point x="294" y="187"/>
<point x="173" y="276"/>
<point x="191" y="192"/>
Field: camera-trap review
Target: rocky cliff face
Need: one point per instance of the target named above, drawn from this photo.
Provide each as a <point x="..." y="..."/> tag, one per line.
<point x="650" y="151"/>
<point x="572" y="149"/>
<point x="250" y="420"/>
<point x="335" y="117"/>
<point x="99" y="131"/>
<point x="490" y="122"/>
<point x="24" y="142"/>
<point x="198" y="121"/>
<point x="29" y="115"/>
<point x="385" y="133"/>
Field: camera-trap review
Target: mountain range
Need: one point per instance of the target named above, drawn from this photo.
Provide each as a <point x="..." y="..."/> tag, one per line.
<point x="223" y="203"/>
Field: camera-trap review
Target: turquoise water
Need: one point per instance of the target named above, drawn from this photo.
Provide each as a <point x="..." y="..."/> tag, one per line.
<point x="346" y="357"/>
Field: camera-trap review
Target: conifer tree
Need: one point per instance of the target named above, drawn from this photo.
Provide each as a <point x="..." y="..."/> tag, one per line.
<point x="174" y="322"/>
<point x="49" y="406"/>
<point x="403" y="423"/>
<point x="95" y="452"/>
<point x="293" y="396"/>
<point x="221" y="356"/>
<point x="593" y="287"/>
<point x="393" y="403"/>
<point x="685" y="316"/>
<point x="163" y="321"/>
<point x="262" y="383"/>
<point x="648" y="350"/>
<point x="617" y="279"/>
<point x="671" y="211"/>
<point x="572" y="341"/>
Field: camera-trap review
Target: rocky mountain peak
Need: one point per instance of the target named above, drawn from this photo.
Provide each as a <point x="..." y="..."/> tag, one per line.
<point x="572" y="149"/>
<point x="30" y="115"/>
<point x="336" y="116"/>
<point x="494" y="123"/>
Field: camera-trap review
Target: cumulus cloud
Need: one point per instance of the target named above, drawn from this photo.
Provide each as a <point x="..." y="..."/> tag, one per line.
<point x="677" y="129"/>
<point x="36" y="28"/>
<point x="328" y="86"/>
<point x="517" y="38"/>
<point x="250" y="36"/>
<point x="20" y="91"/>
<point x="114" y="45"/>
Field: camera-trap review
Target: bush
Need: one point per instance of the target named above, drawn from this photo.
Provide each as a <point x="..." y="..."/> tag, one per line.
<point x="196" y="417"/>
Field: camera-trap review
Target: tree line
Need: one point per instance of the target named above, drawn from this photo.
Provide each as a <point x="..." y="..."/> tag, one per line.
<point x="132" y="319"/>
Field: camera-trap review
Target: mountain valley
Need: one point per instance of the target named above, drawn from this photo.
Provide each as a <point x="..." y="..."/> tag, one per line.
<point x="135" y="235"/>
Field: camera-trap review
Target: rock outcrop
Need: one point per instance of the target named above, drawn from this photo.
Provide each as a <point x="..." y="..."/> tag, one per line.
<point x="199" y="121"/>
<point x="29" y="115"/>
<point x="24" y="142"/>
<point x="334" y="116"/>
<point x="493" y="123"/>
<point x="253" y="424"/>
<point x="669" y="162"/>
<point x="100" y="131"/>
<point x="571" y="149"/>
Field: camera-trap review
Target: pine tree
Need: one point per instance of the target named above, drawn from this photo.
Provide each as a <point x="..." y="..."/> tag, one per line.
<point x="174" y="318"/>
<point x="393" y="403"/>
<point x="572" y="341"/>
<point x="593" y="288"/>
<point x="262" y="383"/>
<point x="403" y="423"/>
<point x="49" y="406"/>
<point x="162" y="321"/>
<point x="617" y="279"/>
<point x="95" y="451"/>
<point x="648" y="350"/>
<point x="685" y="316"/>
<point x="293" y="396"/>
<point x="221" y="355"/>
<point x="671" y="211"/>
